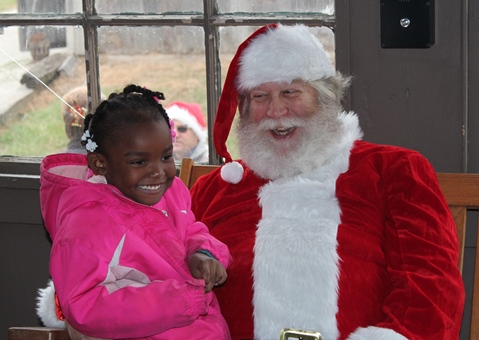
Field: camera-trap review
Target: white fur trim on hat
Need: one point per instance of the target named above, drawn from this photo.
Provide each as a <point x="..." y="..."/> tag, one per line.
<point x="46" y="310"/>
<point x="177" y="113"/>
<point x="283" y="55"/>
<point x="232" y="172"/>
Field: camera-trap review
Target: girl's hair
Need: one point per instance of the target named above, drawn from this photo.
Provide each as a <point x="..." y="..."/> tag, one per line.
<point x="121" y="110"/>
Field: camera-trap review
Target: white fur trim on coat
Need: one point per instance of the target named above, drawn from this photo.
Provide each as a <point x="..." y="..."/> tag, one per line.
<point x="46" y="307"/>
<point x="375" y="333"/>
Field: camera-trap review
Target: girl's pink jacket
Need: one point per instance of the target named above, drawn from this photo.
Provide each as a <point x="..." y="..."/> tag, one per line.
<point x="120" y="268"/>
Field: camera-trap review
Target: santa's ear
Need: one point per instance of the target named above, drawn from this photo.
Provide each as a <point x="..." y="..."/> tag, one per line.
<point x="97" y="163"/>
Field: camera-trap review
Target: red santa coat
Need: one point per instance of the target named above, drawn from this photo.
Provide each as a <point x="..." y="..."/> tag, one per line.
<point x="364" y="247"/>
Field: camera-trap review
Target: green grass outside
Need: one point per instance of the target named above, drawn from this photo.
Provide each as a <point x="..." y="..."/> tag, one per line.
<point x="38" y="133"/>
<point x="6" y="5"/>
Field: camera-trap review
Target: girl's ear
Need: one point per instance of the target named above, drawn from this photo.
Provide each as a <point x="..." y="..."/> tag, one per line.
<point x="97" y="163"/>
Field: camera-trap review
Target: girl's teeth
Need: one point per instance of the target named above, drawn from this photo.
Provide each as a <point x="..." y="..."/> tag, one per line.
<point x="150" y="187"/>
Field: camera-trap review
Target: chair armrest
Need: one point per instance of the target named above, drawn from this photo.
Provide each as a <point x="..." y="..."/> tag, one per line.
<point x="37" y="333"/>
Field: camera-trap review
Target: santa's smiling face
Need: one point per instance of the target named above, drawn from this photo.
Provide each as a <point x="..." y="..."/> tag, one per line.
<point x="285" y="130"/>
<point x="281" y="110"/>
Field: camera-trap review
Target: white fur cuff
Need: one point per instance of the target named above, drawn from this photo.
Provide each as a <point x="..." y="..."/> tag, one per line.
<point x="46" y="307"/>
<point x="375" y="333"/>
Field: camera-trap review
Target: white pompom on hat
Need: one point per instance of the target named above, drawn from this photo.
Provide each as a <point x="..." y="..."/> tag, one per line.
<point x="189" y="114"/>
<point x="273" y="53"/>
<point x="232" y="172"/>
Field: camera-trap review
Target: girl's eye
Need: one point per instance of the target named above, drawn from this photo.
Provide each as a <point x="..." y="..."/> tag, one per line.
<point x="138" y="162"/>
<point x="167" y="157"/>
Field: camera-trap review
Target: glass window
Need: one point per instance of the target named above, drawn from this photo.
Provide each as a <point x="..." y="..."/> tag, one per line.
<point x="31" y="122"/>
<point x="41" y="6"/>
<point x="148" y="6"/>
<point x="298" y="6"/>
<point x="182" y="48"/>
<point x="167" y="59"/>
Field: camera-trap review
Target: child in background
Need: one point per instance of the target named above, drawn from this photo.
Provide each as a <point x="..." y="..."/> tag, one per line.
<point x="128" y="258"/>
<point x="72" y="113"/>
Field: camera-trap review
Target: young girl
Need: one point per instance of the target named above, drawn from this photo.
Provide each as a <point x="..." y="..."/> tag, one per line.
<point x="128" y="258"/>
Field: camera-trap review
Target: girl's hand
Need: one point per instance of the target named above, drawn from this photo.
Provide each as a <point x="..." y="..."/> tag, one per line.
<point x="209" y="269"/>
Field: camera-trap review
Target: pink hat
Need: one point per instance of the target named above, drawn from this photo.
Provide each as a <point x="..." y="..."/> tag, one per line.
<point x="189" y="114"/>
<point x="274" y="53"/>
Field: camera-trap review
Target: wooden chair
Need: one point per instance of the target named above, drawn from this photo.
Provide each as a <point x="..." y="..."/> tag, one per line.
<point x="462" y="194"/>
<point x="37" y="333"/>
<point x="190" y="172"/>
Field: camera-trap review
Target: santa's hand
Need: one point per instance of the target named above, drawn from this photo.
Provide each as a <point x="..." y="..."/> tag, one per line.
<point x="207" y="268"/>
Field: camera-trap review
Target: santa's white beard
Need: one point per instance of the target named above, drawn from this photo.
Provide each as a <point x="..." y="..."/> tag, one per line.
<point x="313" y="143"/>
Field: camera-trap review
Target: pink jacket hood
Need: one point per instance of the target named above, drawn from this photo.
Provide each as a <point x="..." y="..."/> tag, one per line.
<point x="60" y="174"/>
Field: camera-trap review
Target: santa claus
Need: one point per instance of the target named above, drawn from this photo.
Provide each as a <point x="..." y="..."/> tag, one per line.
<point x="328" y="232"/>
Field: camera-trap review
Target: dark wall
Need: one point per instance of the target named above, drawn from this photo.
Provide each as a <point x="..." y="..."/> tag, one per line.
<point x="424" y="99"/>
<point x="24" y="250"/>
<point x="407" y="97"/>
<point x="472" y="74"/>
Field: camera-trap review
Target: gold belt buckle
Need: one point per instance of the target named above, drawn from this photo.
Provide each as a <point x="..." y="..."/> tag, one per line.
<point x="288" y="333"/>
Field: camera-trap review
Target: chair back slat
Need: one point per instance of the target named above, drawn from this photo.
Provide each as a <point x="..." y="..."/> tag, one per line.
<point x="460" y="189"/>
<point x="190" y="172"/>
<point x="474" y="330"/>
<point x="185" y="171"/>
<point x="459" y="214"/>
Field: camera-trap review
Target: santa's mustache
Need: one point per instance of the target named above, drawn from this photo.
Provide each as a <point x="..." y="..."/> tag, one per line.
<point x="286" y="122"/>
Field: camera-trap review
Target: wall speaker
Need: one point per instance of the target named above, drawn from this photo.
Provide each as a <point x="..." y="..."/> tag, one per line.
<point x="407" y="23"/>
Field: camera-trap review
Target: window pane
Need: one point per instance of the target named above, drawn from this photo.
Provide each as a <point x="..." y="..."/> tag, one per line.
<point x="148" y="6"/>
<point x="166" y="59"/>
<point x="170" y="59"/>
<point x="48" y="6"/>
<point x="8" y="6"/>
<point x="232" y="37"/>
<point x="31" y="120"/>
<point x="321" y="6"/>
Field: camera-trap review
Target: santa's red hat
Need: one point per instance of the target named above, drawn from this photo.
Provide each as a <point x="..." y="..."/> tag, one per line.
<point x="274" y="53"/>
<point x="189" y="114"/>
